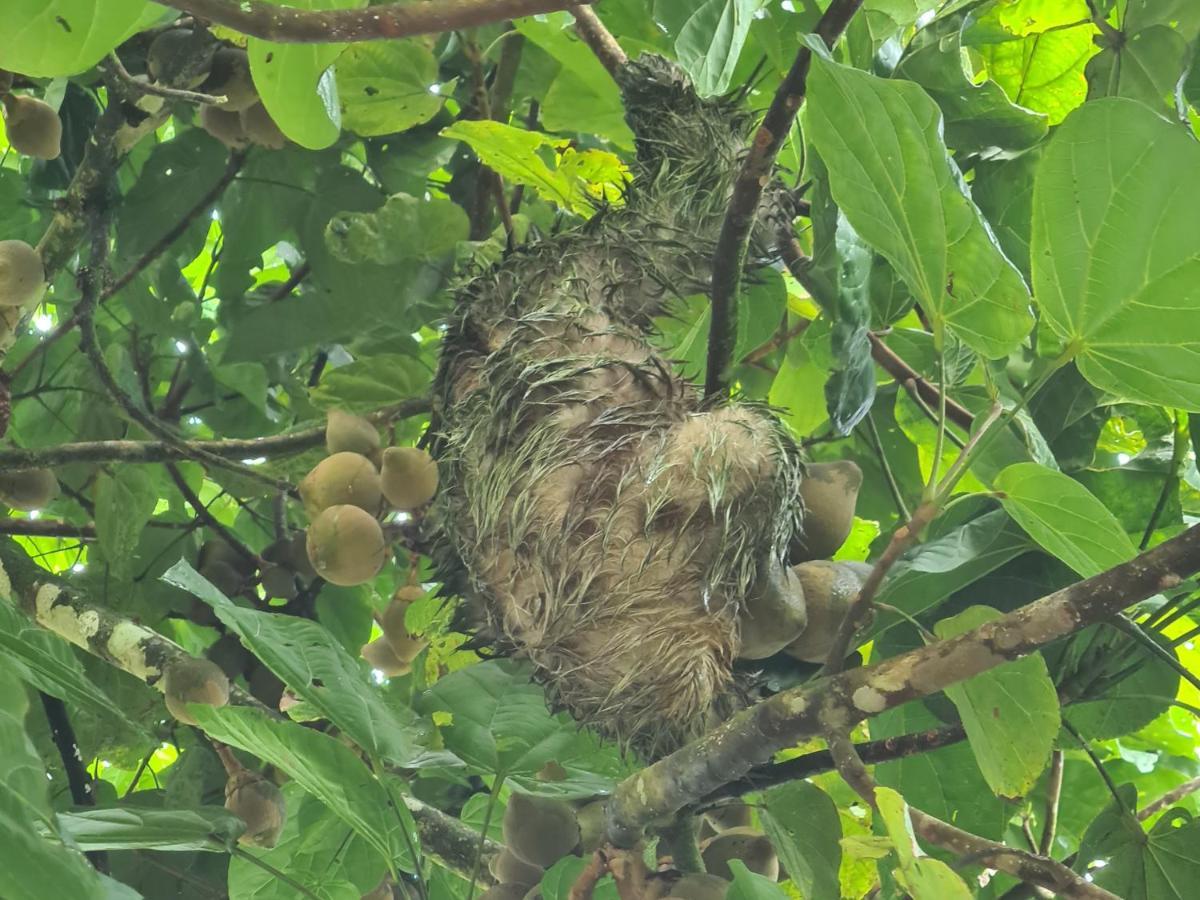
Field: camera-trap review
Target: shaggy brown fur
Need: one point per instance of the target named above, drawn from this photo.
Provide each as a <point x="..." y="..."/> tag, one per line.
<point x="608" y="524"/>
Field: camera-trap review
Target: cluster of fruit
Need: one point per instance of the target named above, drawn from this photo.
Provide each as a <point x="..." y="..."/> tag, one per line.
<point x="538" y="832"/>
<point x="240" y="118"/>
<point x="801" y="615"/>
<point x="346" y="492"/>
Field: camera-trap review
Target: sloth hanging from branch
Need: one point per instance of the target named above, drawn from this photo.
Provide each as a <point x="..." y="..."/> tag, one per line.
<point x="602" y="519"/>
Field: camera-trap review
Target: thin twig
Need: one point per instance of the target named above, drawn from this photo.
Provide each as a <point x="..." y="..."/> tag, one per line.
<point x="902" y="538"/>
<point x="89" y="344"/>
<point x="161" y="451"/>
<point x="80" y="783"/>
<point x="1054" y="783"/>
<point x="1179" y="446"/>
<point x="211" y="521"/>
<point x="730" y="254"/>
<point x="47" y="528"/>
<point x="156" y="250"/>
<point x="888" y="474"/>
<point x="1170" y="798"/>
<point x="887" y="360"/>
<point x="286" y="25"/>
<point x="159" y="90"/>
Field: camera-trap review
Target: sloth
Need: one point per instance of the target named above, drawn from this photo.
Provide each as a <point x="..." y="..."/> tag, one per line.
<point x="600" y="517"/>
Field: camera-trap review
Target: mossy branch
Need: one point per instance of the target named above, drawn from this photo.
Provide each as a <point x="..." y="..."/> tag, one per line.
<point x="388" y="21"/>
<point x="752" y="737"/>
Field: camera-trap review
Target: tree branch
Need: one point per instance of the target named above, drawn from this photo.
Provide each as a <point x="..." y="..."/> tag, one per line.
<point x="887" y="360"/>
<point x="819" y="761"/>
<point x="1168" y="799"/>
<point x="286" y="25"/>
<point x="754" y="735"/>
<point x="82" y="791"/>
<point x="47" y="528"/>
<point x="730" y="255"/>
<point x="162" y="451"/>
<point x="598" y="38"/>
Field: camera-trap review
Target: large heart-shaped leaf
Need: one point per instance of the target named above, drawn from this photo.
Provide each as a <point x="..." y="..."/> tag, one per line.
<point x="1116" y="251"/>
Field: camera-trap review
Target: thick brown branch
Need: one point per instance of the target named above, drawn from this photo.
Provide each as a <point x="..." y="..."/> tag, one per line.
<point x="730" y="255"/>
<point x="286" y="25"/>
<point x="753" y="736"/>
<point x="161" y="451"/>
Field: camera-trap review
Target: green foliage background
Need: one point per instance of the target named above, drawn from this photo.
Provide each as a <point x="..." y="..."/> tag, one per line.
<point x="1004" y="192"/>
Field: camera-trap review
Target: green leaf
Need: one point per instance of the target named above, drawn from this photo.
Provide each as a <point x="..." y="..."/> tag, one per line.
<point x="23" y="775"/>
<point x="709" y="41"/>
<point x="313" y="664"/>
<point x="1161" y="865"/>
<point x="403" y="229"/>
<point x="1010" y="713"/>
<point x="559" y="878"/>
<point x="890" y="174"/>
<point x="387" y="87"/>
<point x="125" y="501"/>
<point x="316" y="849"/>
<point x="978" y="117"/>
<point x="1116" y="256"/>
<point x="1148" y="67"/>
<point x="36" y="868"/>
<point x="296" y="83"/>
<point x="748" y="885"/>
<point x="1064" y="518"/>
<point x="1004" y="192"/>
<point x="1033" y="53"/>
<point x="48" y="38"/>
<point x="583" y="97"/>
<point x="840" y="277"/>
<point x="47" y="662"/>
<point x="938" y="568"/>
<point x="371" y="382"/>
<point x="1135" y="701"/>
<point x="500" y="725"/>
<point x="211" y="828"/>
<point x="173" y="180"/>
<point x="804" y="827"/>
<point x="922" y="877"/>
<point x="323" y="766"/>
<point x="516" y="154"/>
<point x="945" y="783"/>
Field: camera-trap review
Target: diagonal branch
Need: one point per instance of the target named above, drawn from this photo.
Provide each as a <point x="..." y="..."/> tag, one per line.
<point x="387" y="21"/>
<point x="753" y="736"/>
<point x="730" y="255"/>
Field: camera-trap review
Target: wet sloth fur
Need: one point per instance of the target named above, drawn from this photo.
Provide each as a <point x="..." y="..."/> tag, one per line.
<point x="600" y="519"/>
